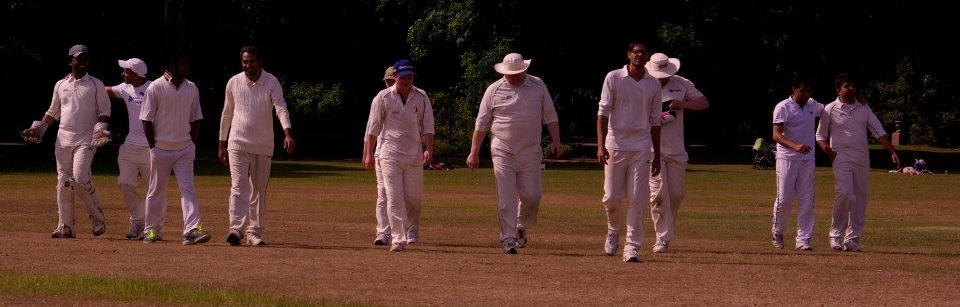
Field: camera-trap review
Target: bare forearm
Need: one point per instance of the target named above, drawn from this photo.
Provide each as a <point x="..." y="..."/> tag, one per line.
<point x="475" y="142"/>
<point x="428" y="141"/>
<point x="369" y="145"/>
<point x="885" y="141"/>
<point x="601" y="130"/>
<point x="697" y="104"/>
<point x="655" y="137"/>
<point x="554" y="130"/>
<point x="48" y="119"/>
<point x="149" y="133"/>
<point x="195" y="130"/>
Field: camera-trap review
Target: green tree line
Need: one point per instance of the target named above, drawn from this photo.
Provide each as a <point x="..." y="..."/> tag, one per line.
<point x="330" y="56"/>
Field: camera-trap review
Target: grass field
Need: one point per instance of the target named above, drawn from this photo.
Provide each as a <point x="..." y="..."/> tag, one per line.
<point x="321" y="225"/>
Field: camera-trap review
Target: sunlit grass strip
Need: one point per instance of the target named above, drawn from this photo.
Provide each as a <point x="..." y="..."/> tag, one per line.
<point x="140" y="290"/>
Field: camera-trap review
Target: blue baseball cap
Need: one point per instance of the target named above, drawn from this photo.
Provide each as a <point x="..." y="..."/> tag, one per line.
<point x="403" y="68"/>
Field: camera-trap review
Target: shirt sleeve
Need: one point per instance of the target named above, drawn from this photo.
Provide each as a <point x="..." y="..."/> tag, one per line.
<point x="280" y="104"/>
<point x="485" y="114"/>
<point x="873" y="123"/>
<point x="427" y="121"/>
<point x="656" y="107"/>
<point x="549" y="111"/>
<point x="103" y="100"/>
<point x="120" y="90"/>
<point x="375" y="119"/>
<point x="226" y="118"/>
<point x="779" y="114"/>
<point x="148" y="111"/>
<point x="54" y="110"/>
<point x="607" y="96"/>
<point x="823" y="129"/>
<point x="691" y="90"/>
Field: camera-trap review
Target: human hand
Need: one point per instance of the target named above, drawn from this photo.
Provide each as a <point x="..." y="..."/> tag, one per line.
<point x="473" y="161"/>
<point x="289" y="144"/>
<point x="557" y="149"/>
<point x="676" y="105"/>
<point x="427" y="157"/>
<point x="223" y="156"/>
<point x="801" y="148"/>
<point x="368" y="162"/>
<point x="602" y="155"/>
<point x="655" y="166"/>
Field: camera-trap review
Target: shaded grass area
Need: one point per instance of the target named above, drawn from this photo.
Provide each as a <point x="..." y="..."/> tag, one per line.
<point x="140" y="290"/>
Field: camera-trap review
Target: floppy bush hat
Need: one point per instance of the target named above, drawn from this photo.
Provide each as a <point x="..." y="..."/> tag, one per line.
<point x="660" y="66"/>
<point x="512" y="64"/>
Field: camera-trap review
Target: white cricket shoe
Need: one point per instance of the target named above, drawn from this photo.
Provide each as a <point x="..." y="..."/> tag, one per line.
<point x="661" y="246"/>
<point x="631" y="255"/>
<point x="610" y="247"/>
<point x="777" y="241"/>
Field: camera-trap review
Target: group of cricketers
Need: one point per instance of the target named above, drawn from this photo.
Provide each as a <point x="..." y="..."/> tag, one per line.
<point x="639" y="134"/>
<point x="164" y="123"/>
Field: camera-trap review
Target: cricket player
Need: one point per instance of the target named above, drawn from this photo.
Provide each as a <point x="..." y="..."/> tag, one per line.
<point x="842" y="134"/>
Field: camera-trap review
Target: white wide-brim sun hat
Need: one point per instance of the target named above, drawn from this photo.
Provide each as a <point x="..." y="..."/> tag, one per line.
<point x="660" y="66"/>
<point x="512" y="64"/>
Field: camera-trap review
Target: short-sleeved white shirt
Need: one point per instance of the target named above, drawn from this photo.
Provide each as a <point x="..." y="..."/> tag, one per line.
<point x="846" y="126"/>
<point x="77" y="103"/>
<point x="671" y="134"/>
<point x="515" y="115"/>
<point x="403" y="124"/>
<point x="171" y="110"/>
<point x="133" y="98"/>
<point x="799" y="125"/>
<point x="631" y="108"/>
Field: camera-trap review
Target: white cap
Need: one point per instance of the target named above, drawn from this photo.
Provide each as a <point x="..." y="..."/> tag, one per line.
<point x="136" y="65"/>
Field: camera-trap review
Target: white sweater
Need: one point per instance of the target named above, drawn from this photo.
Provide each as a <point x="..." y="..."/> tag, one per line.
<point x="247" y="122"/>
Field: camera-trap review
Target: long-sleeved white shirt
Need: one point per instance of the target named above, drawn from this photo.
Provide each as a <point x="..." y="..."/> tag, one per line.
<point x="515" y="115"/>
<point x="631" y="107"/>
<point x="171" y="110"/>
<point x="247" y="122"/>
<point x="77" y="103"/>
<point x="403" y="125"/>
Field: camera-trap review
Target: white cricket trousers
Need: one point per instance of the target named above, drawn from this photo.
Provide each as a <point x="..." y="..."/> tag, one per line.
<point x="403" y="182"/>
<point x="627" y="174"/>
<point x="249" y="174"/>
<point x="517" y="176"/>
<point x="383" y="220"/>
<point x="666" y="192"/>
<point x="162" y="162"/>
<point x="794" y="182"/>
<point x="852" y="175"/>
<point x="134" y="162"/>
<point x="74" y="176"/>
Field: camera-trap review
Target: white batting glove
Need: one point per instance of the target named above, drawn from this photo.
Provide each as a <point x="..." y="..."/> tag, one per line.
<point x="101" y="135"/>
<point x="34" y="134"/>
